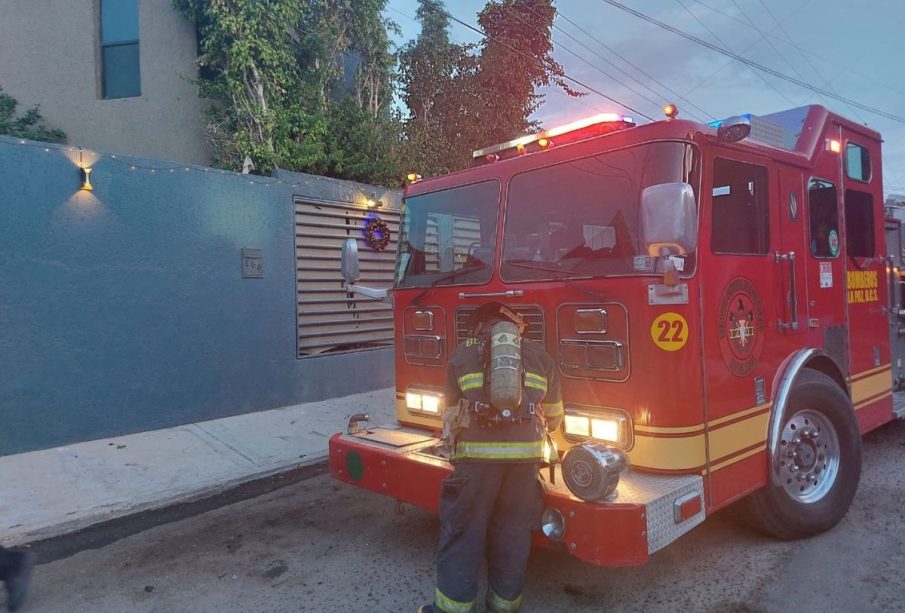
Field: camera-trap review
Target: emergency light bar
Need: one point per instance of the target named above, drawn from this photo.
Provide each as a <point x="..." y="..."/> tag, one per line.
<point x="596" y="125"/>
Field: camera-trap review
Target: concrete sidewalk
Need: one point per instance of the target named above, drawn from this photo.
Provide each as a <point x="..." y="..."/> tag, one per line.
<point x="57" y="491"/>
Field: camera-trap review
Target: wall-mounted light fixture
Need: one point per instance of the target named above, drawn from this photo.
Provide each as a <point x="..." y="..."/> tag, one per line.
<point x="85" y="174"/>
<point x="373" y="202"/>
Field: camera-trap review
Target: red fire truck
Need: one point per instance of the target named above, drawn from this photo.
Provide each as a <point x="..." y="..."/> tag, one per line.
<point x="717" y="299"/>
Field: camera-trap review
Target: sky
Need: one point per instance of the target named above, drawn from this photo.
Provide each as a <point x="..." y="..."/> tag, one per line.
<point x="837" y="45"/>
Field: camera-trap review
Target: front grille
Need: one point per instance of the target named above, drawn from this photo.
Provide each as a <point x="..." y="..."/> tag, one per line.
<point x="532" y="314"/>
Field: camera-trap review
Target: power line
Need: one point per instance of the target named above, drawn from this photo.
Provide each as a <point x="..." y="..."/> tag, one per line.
<point x="803" y="51"/>
<point x="797" y="48"/>
<point x="754" y="64"/>
<point x="810" y="64"/>
<point x="765" y="38"/>
<point x="580" y="57"/>
<point x="658" y="104"/>
<point x="535" y="60"/>
<point x="722" y="42"/>
<point x="626" y="60"/>
<point x="743" y="51"/>
<point x="554" y="89"/>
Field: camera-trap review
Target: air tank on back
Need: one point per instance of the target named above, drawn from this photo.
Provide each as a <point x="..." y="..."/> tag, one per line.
<point x="505" y="367"/>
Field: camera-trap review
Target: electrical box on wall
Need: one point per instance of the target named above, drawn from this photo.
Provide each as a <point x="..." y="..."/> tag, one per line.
<point x="252" y="263"/>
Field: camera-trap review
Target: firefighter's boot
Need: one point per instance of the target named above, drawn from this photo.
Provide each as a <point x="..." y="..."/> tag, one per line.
<point x="18" y="579"/>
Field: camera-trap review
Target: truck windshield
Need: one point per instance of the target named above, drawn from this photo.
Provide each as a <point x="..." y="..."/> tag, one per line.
<point x="582" y="218"/>
<point x="448" y="237"/>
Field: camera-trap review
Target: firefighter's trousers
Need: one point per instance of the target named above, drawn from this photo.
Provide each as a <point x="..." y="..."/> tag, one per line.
<point x="486" y="507"/>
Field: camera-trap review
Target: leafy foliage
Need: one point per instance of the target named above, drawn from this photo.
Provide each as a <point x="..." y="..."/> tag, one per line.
<point x="464" y="97"/>
<point x="515" y="60"/>
<point x="430" y="68"/>
<point x="309" y="85"/>
<point x="30" y="125"/>
<point x="297" y="84"/>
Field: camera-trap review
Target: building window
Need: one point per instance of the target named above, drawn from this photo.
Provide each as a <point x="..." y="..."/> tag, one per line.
<point x="859" y="224"/>
<point x="740" y="222"/>
<point x="120" y="75"/>
<point x="823" y="219"/>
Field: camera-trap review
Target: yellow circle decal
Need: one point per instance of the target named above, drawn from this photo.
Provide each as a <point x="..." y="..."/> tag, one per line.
<point x="669" y="331"/>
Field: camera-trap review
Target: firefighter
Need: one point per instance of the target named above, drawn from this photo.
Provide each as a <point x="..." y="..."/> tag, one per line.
<point x="15" y="572"/>
<point x="494" y="497"/>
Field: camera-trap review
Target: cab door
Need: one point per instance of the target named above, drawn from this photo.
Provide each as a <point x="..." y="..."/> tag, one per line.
<point x="739" y="285"/>
<point x="825" y="268"/>
<point x="867" y="279"/>
<point x="791" y="261"/>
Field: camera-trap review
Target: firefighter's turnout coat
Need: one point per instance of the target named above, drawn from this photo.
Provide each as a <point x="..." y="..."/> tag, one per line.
<point x="467" y="378"/>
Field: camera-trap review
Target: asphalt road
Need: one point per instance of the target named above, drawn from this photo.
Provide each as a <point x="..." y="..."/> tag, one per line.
<point x="318" y="545"/>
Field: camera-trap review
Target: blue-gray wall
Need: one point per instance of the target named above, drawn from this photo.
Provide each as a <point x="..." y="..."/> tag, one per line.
<point x="124" y="309"/>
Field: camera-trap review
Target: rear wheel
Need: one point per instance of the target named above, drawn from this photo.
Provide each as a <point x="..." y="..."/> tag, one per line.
<point x="819" y="461"/>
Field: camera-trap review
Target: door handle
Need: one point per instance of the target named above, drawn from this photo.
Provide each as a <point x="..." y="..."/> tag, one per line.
<point x="793" y="292"/>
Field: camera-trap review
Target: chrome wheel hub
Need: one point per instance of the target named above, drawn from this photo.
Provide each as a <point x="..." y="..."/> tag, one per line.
<point x="809" y="464"/>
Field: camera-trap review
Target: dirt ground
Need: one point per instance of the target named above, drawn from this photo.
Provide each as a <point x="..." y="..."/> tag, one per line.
<point x="319" y="545"/>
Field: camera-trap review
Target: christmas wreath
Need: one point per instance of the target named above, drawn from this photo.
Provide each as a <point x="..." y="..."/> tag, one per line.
<point x="377" y="234"/>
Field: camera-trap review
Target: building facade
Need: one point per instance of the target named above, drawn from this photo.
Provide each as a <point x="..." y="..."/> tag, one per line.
<point x="114" y="75"/>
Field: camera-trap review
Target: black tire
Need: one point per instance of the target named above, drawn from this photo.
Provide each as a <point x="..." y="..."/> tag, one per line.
<point x="816" y="404"/>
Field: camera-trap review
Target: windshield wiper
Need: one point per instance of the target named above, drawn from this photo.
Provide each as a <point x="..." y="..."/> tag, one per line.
<point x="570" y="281"/>
<point x="443" y="278"/>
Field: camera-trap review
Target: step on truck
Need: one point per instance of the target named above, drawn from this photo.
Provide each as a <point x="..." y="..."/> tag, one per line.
<point x="718" y="300"/>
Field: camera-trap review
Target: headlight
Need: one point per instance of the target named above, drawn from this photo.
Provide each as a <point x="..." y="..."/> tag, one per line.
<point x="604" y="426"/>
<point x="553" y="524"/>
<point x="423" y="401"/>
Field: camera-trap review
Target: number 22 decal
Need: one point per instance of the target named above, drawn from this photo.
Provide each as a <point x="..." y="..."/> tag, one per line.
<point x="669" y="331"/>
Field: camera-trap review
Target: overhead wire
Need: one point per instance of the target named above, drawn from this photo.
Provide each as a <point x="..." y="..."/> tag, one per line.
<point x="810" y="64"/>
<point x="565" y="76"/>
<point x="555" y="90"/>
<point x="766" y="39"/>
<point x="722" y="42"/>
<point x="656" y="103"/>
<point x="743" y="51"/>
<point x="767" y="34"/>
<point x="794" y="44"/>
<point x="635" y="66"/>
<point x="753" y="64"/>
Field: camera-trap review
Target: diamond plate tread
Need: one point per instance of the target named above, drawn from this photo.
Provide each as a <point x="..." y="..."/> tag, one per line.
<point x="662" y="528"/>
<point x="634" y="487"/>
<point x="393" y="437"/>
<point x="658" y="494"/>
<point x="898" y="404"/>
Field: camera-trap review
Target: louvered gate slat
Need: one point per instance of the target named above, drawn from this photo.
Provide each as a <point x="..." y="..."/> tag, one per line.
<point x="330" y="318"/>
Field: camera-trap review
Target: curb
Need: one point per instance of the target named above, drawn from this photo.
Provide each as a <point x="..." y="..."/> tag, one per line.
<point x="66" y="539"/>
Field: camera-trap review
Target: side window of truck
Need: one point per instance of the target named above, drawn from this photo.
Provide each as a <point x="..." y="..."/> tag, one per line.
<point x="740" y="220"/>
<point x="857" y="162"/>
<point x="823" y="219"/>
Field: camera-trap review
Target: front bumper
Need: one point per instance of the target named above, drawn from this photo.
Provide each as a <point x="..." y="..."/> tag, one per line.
<point x="644" y="517"/>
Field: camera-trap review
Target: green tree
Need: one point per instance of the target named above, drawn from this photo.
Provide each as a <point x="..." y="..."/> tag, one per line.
<point x="464" y="97"/>
<point x="363" y="130"/>
<point x="301" y="85"/>
<point x="515" y="60"/>
<point x="428" y="69"/>
<point x="30" y="125"/>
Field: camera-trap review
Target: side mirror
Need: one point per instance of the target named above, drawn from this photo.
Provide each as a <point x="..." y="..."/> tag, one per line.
<point x="669" y="219"/>
<point x="350" y="261"/>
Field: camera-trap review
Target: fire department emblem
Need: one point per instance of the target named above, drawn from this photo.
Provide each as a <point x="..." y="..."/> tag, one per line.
<point x="741" y="327"/>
